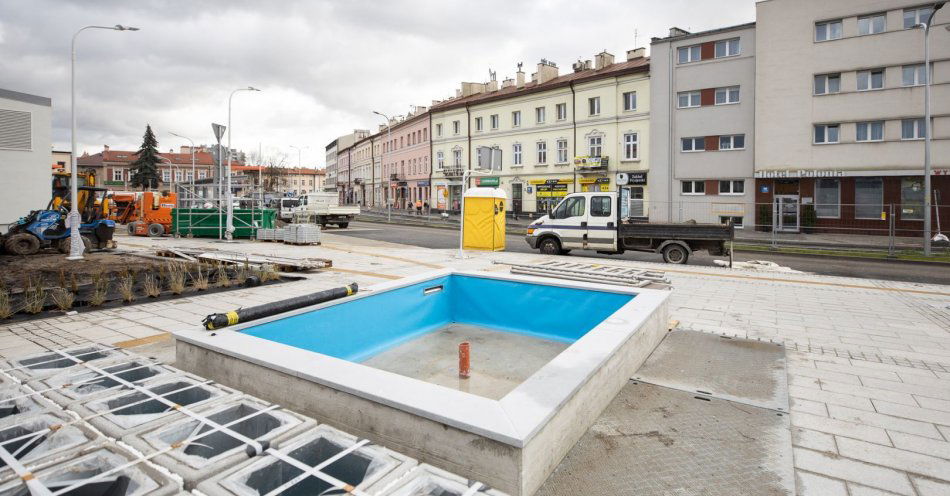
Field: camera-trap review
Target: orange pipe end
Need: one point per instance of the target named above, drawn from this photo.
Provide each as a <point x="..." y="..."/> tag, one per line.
<point x="465" y="366"/>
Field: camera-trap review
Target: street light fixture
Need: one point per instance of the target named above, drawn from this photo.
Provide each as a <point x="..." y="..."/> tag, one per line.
<point x="75" y="241"/>
<point x="928" y="128"/>
<point x="193" y="175"/>
<point x="382" y="158"/>
<point x="229" y="233"/>
<point x="298" y="154"/>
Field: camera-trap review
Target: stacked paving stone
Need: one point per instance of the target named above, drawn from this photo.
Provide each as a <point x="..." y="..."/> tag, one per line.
<point x="99" y="430"/>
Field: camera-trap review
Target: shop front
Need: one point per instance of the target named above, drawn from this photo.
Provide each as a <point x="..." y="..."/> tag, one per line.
<point x="632" y="186"/>
<point x="548" y="193"/>
<point x="594" y="184"/>
<point x="447" y="195"/>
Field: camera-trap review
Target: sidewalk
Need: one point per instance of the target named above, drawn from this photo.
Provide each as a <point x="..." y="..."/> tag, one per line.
<point x="868" y="361"/>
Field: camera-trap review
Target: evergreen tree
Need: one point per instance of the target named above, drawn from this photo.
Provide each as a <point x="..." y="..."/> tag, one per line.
<point x="145" y="168"/>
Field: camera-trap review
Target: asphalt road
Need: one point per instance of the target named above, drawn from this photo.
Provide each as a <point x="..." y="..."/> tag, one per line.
<point x="430" y="237"/>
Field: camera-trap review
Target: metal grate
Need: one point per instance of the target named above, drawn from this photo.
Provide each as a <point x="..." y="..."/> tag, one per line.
<point x="588" y="272"/>
<point x="16" y="131"/>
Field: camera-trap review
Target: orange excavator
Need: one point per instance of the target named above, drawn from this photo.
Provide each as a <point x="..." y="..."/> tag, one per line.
<point x="146" y="213"/>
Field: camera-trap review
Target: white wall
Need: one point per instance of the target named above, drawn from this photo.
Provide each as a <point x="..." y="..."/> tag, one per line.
<point x="26" y="173"/>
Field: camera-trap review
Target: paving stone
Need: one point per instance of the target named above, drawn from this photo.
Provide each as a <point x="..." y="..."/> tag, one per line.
<point x="813" y="440"/>
<point x="810" y="484"/>
<point x="841" y="427"/>
<point x="851" y="470"/>
<point x="930" y="487"/>
<point x="892" y="457"/>
<point x="914" y="413"/>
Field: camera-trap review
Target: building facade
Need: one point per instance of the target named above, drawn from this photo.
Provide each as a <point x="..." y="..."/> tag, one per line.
<point x="331" y="167"/>
<point x="839" y="114"/>
<point x="281" y="181"/>
<point x="555" y="134"/>
<point x="407" y="164"/>
<point x="344" y="162"/>
<point x="361" y="170"/>
<point x="25" y="144"/>
<point x="113" y="167"/>
<point x="702" y="88"/>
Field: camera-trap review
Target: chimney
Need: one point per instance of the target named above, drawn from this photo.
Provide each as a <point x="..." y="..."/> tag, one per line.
<point x="421" y="110"/>
<point x="492" y="86"/>
<point x="587" y="65"/>
<point x="547" y="71"/>
<point x="469" y="89"/>
<point x="636" y="53"/>
<point x="578" y="66"/>
<point x="507" y="83"/>
<point x="675" y="31"/>
<point x="603" y="59"/>
<point x="520" y="78"/>
<point x="105" y="147"/>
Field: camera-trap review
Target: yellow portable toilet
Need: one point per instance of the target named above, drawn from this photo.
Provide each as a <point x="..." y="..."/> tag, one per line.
<point x="484" y="219"/>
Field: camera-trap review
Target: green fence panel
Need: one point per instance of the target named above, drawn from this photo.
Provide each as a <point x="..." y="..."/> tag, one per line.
<point x="210" y="223"/>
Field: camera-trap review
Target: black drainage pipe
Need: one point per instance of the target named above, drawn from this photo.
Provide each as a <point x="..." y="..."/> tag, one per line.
<point x="222" y="320"/>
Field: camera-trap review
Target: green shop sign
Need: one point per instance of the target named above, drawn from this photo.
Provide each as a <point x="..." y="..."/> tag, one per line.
<point x="486" y="181"/>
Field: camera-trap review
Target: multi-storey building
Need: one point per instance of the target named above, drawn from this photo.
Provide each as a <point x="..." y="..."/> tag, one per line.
<point x="407" y="164"/>
<point x="284" y="181"/>
<point x="331" y="167"/>
<point x="25" y="142"/>
<point x="361" y="170"/>
<point x="113" y="167"/>
<point x="839" y="113"/>
<point x="556" y="134"/>
<point x="702" y="112"/>
<point x="344" y="162"/>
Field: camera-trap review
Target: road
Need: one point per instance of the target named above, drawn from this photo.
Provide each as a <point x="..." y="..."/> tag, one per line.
<point x="439" y="238"/>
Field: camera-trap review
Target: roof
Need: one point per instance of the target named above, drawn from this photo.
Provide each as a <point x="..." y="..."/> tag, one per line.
<point x="26" y="97"/>
<point x="288" y="170"/>
<point x="639" y="64"/>
<point x="127" y="157"/>
<point x="708" y="32"/>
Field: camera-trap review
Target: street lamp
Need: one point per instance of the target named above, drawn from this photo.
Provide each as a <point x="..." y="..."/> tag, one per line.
<point x="382" y="158"/>
<point x="927" y="126"/>
<point x="298" y="154"/>
<point x="193" y="175"/>
<point x="229" y="233"/>
<point x="75" y="241"/>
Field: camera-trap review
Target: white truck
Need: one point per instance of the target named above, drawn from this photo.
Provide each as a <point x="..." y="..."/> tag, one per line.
<point x="285" y="208"/>
<point x="323" y="209"/>
<point x="592" y="221"/>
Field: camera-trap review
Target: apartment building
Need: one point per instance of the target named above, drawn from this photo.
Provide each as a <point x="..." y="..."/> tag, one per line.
<point x="285" y="181"/>
<point x="555" y="134"/>
<point x="702" y="90"/>
<point x="344" y="160"/>
<point x="362" y="164"/>
<point x="839" y="113"/>
<point x="25" y="144"/>
<point x="406" y="159"/>
<point x="330" y="156"/>
<point x="114" y="167"/>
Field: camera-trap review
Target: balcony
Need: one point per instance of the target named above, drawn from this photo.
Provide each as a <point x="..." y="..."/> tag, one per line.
<point x="591" y="164"/>
<point x="453" y="171"/>
<point x="397" y="177"/>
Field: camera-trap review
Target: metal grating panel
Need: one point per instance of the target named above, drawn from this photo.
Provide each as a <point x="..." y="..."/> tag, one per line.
<point x="16" y="130"/>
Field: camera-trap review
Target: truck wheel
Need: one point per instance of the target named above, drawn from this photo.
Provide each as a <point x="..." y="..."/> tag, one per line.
<point x="155" y="230"/>
<point x="343" y="225"/>
<point x="86" y="243"/>
<point x="131" y="227"/>
<point x="550" y="246"/>
<point x="675" y="254"/>
<point x="22" y="244"/>
<point x="63" y="245"/>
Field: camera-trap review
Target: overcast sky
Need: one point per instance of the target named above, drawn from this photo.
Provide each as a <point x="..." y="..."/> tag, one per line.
<point x="323" y="66"/>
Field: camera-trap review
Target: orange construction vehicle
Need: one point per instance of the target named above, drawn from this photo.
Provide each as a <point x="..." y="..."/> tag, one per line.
<point x="145" y="214"/>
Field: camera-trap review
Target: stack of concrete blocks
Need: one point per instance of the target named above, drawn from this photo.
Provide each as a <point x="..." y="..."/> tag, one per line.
<point x="370" y="468"/>
<point x="75" y="383"/>
<point x="218" y="451"/>
<point x="265" y="234"/>
<point x="302" y="234"/>
<point x="428" y="480"/>
<point x="56" y="437"/>
<point x="47" y="363"/>
<point x="142" y="413"/>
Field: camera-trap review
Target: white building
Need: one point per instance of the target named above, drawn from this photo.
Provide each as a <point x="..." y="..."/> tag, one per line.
<point x="25" y="154"/>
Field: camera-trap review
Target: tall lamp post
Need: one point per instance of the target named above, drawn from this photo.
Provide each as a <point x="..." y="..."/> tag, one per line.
<point x="75" y="241"/>
<point x="928" y="128"/>
<point x="193" y="175"/>
<point x="382" y="158"/>
<point x="229" y="233"/>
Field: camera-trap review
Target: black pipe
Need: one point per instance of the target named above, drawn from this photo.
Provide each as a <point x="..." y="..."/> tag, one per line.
<point x="222" y="320"/>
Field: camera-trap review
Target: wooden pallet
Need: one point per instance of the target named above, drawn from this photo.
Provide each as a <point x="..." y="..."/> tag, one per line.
<point x="588" y="272"/>
<point x="282" y="264"/>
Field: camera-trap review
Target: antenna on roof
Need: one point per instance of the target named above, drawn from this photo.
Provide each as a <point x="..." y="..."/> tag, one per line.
<point x="519" y="66"/>
<point x="635" y="36"/>
<point x="492" y="75"/>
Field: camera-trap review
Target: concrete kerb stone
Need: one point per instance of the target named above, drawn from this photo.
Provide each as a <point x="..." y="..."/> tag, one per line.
<point x="76" y="383"/>
<point x="59" y="444"/>
<point x="145" y="414"/>
<point x="219" y="451"/>
<point x="369" y="468"/>
<point x="426" y="479"/>
<point x="47" y="363"/>
<point x="96" y="459"/>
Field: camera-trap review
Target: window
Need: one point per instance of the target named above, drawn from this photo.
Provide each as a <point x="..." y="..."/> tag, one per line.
<point x="687" y="99"/>
<point x="117" y="175"/>
<point x="178" y="176"/>
<point x="735" y="220"/>
<point x="827" y="196"/>
<point x="166" y="176"/>
<point x="689" y="54"/>
<point x="868" y="197"/>
<point x="516" y="153"/>
<point x="726" y="96"/>
<point x="694" y="187"/>
<point x="829" y="30"/>
<point x="732" y="142"/>
<point x="827" y="83"/>
<point x="913" y="129"/>
<point x="542" y="152"/>
<point x="493" y="119"/>
<point x="727" y="48"/>
<point x="630" y="142"/>
<point x="731" y="187"/>
<point x="561" y="111"/>
<point x="630" y="101"/>
<point x="694" y="144"/>
<point x="539" y="115"/>
<point x="516" y="118"/>
<point x="595" y="146"/>
<point x="438" y="130"/>
<point x="593" y="105"/>
<point x="912" y="198"/>
<point x="478" y="123"/>
<point x="914" y="75"/>
<point x="457" y="157"/>
<point x="562" y="151"/>
<point x="913" y="17"/>
<point x="871" y="24"/>
<point x="571" y="207"/>
<point x="600" y="206"/>
<point x="826" y="133"/>
<point x="870" y="79"/>
<point x="870" y="131"/>
<point x="202" y="174"/>
<point x="456" y="127"/>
